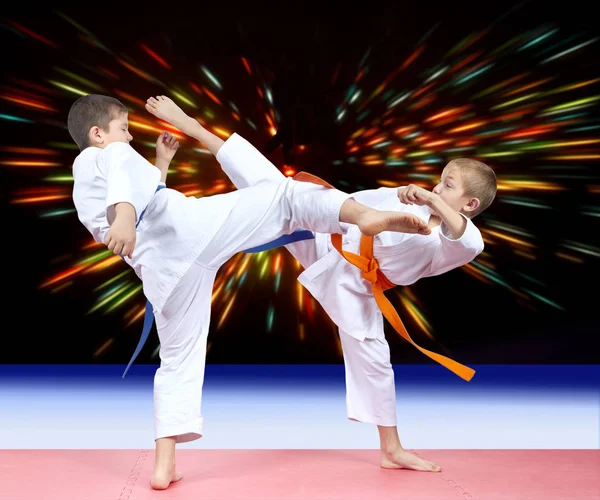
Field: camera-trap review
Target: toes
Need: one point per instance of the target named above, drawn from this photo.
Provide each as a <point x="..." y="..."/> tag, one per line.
<point x="152" y="100"/>
<point x="418" y="221"/>
<point x="433" y="467"/>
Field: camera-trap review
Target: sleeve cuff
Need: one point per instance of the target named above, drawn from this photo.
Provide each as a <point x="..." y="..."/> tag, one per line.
<point x="471" y="237"/>
<point x="228" y="147"/>
<point x="446" y="233"/>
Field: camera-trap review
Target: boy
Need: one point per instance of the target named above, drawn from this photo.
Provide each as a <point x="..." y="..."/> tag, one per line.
<point x="467" y="187"/>
<point x="176" y="245"/>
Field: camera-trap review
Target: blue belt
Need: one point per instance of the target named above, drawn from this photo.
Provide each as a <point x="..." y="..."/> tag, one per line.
<point x="286" y="239"/>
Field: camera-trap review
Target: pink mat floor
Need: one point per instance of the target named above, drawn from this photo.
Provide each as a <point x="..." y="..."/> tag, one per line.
<point x="301" y="475"/>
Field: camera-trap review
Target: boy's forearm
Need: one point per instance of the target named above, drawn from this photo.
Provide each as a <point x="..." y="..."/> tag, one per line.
<point x="126" y="211"/>
<point x="163" y="166"/>
<point x="455" y="222"/>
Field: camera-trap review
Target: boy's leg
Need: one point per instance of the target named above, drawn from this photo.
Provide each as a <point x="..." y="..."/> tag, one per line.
<point x="182" y="327"/>
<point x="366" y="401"/>
<point x="274" y="209"/>
<point x="268" y="210"/>
<point x="253" y="169"/>
<point x="371" y="398"/>
<point x="249" y="168"/>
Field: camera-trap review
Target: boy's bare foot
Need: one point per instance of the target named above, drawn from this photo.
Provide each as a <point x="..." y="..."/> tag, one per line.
<point x="164" y="464"/>
<point x="403" y="459"/>
<point x="164" y="108"/>
<point x="163" y="477"/>
<point x="373" y="222"/>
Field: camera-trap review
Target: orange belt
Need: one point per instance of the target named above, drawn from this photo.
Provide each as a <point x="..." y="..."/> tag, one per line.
<point x="370" y="271"/>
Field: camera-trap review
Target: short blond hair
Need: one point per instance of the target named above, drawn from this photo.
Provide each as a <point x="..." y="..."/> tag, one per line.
<point x="479" y="181"/>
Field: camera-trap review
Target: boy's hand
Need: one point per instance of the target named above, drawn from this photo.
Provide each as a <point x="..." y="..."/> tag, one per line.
<point x="166" y="147"/>
<point x="415" y="195"/>
<point x="121" y="235"/>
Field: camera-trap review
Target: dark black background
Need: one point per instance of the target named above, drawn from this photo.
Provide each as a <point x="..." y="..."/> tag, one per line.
<point x="298" y="49"/>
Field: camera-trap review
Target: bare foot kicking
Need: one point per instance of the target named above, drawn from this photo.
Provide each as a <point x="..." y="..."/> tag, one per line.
<point x="161" y="479"/>
<point x="373" y="222"/>
<point x="406" y="460"/>
<point x="164" y="108"/>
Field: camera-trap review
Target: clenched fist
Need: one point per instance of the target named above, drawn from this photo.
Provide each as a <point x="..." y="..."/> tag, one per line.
<point x="166" y="147"/>
<point x="415" y="195"/>
<point x="121" y="235"/>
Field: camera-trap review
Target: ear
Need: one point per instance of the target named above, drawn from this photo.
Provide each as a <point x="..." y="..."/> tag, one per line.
<point x="472" y="205"/>
<point x="95" y="136"/>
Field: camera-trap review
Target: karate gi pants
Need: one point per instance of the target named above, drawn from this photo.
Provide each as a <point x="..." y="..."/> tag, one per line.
<point x="259" y="214"/>
<point x="370" y="386"/>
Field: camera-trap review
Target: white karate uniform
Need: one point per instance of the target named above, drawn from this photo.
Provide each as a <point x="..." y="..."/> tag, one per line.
<point x="348" y="299"/>
<point x="181" y="243"/>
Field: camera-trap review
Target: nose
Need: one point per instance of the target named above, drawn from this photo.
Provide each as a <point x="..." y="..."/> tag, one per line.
<point x="437" y="189"/>
<point x="129" y="137"/>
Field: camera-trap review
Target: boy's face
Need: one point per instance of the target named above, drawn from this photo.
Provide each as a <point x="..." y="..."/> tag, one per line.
<point x="451" y="190"/>
<point x="118" y="131"/>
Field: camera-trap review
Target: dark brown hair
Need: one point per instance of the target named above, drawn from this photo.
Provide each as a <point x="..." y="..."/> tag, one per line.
<point x="90" y="111"/>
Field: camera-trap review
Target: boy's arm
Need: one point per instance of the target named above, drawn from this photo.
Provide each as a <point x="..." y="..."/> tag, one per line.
<point x="456" y="252"/>
<point x="163" y="167"/>
<point x="373" y="197"/>
<point x="166" y="147"/>
<point x="130" y="178"/>
<point x="121" y="237"/>
<point x="131" y="182"/>
<point x="460" y="240"/>
<point x="452" y="221"/>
